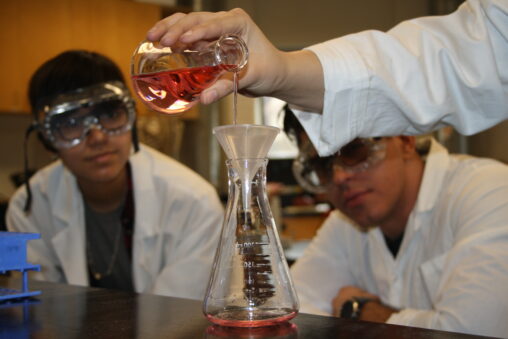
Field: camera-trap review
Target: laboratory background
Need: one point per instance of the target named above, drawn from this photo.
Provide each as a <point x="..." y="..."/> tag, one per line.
<point x="32" y="31"/>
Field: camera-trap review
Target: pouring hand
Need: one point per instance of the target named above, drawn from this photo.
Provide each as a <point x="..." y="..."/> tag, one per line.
<point x="295" y="77"/>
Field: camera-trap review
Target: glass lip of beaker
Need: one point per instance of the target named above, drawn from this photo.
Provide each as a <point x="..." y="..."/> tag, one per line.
<point x="239" y="41"/>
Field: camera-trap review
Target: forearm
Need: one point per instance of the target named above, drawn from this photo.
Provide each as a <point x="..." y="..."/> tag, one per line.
<point x="356" y="303"/>
<point x="376" y="312"/>
<point x="302" y="81"/>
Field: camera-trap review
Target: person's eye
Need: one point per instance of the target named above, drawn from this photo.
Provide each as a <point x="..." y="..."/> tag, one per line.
<point x="114" y="114"/>
<point x="111" y="115"/>
<point x="68" y="123"/>
<point x="72" y="122"/>
<point x="352" y="149"/>
<point x="322" y="164"/>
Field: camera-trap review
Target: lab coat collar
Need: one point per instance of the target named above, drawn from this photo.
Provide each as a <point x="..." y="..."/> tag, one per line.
<point x="68" y="240"/>
<point x="143" y="185"/>
<point x="146" y="223"/>
<point x="70" y="249"/>
<point x="436" y="167"/>
<point x="66" y="186"/>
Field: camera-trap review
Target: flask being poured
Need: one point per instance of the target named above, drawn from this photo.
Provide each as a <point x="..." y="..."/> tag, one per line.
<point x="250" y="285"/>
<point x="170" y="80"/>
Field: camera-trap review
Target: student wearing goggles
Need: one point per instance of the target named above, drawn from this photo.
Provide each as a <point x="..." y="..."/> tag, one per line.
<point x="108" y="206"/>
<point x="416" y="234"/>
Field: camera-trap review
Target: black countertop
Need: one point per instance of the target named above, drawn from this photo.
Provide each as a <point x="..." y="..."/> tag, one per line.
<point x="66" y="311"/>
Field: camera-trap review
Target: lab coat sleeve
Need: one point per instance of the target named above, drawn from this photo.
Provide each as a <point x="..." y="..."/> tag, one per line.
<point x="322" y="269"/>
<point x="471" y="294"/>
<point x="421" y="75"/>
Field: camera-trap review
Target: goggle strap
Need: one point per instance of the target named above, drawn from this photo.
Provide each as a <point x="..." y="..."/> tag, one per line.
<point x="28" y="203"/>
<point x="135" y="139"/>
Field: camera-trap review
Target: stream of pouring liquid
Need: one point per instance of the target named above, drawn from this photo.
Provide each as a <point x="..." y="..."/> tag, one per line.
<point x="235" y="93"/>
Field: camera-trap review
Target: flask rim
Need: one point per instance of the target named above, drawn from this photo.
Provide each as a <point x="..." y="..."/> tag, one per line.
<point x="219" y="55"/>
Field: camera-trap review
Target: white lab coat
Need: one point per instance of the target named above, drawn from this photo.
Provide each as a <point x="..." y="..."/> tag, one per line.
<point x="423" y="74"/>
<point x="176" y="231"/>
<point x="451" y="271"/>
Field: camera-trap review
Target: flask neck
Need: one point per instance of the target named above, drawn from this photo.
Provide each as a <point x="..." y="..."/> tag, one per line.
<point x="231" y="53"/>
<point x="252" y="171"/>
<point x="247" y="178"/>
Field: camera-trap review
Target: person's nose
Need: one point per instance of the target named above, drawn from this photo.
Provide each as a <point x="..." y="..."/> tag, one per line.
<point x="96" y="136"/>
<point x="341" y="176"/>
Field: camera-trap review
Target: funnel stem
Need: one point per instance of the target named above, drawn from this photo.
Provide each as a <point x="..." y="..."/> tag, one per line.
<point x="246" y="191"/>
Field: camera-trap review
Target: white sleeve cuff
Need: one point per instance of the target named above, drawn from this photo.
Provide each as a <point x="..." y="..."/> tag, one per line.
<point x="345" y="100"/>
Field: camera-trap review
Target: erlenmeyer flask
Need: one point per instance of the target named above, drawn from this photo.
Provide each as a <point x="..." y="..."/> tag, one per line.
<point x="170" y="79"/>
<point x="250" y="285"/>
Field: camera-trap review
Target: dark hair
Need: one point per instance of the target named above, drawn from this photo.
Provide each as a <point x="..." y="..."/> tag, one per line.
<point x="292" y="126"/>
<point x="68" y="71"/>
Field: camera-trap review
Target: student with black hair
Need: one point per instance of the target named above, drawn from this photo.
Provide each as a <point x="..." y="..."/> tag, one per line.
<point x="111" y="212"/>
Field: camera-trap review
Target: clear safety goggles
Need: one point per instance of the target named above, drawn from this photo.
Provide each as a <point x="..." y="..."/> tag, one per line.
<point x="70" y="117"/>
<point x="314" y="173"/>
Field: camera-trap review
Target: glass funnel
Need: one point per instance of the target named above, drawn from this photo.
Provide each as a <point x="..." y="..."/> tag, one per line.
<point x="170" y="79"/>
<point x="250" y="284"/>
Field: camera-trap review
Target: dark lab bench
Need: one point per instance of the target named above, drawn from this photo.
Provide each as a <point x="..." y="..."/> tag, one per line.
<point x="66" y="311"/>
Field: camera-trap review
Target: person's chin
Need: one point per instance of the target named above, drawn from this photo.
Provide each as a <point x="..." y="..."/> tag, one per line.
<point x="106" y="174"/>
<point x="363" y="222"/>
<point x="361" y="216"/>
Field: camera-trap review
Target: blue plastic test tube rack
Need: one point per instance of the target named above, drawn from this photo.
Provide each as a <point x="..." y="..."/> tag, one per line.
<point x="13" y="258"/>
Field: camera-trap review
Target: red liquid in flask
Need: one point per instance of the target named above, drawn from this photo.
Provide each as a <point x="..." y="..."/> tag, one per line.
<point x="227" y="318"/>
<point x="175" y="91"/>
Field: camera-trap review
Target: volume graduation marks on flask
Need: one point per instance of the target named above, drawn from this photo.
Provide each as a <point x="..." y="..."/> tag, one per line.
<point x="252" y="245"/>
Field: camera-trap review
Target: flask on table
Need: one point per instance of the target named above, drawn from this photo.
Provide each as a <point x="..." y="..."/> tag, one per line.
<point x="250" y="284"/>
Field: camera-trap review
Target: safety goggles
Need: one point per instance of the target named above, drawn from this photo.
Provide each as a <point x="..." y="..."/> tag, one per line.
<point x="69" y="118"/>
<point x="314" y="173"/>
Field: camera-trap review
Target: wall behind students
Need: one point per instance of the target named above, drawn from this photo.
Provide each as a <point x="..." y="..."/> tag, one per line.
<point x="490" y="143"/>
<point x="12" y="130"/>
<point x="293" y="24"/>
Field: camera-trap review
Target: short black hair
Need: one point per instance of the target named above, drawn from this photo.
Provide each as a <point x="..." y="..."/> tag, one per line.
<point x="292" y="126"/>
<point x="69" y="71"/>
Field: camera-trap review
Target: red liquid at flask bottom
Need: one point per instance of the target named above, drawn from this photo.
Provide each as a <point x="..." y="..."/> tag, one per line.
<point x="175" y="91"/>
<point x="229" y="318"/>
